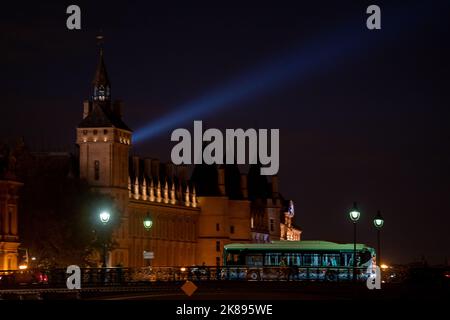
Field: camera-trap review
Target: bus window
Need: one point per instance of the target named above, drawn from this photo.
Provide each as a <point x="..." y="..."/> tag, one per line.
<point x="312" y="260"/>
<point x="334" y="260"/>
<point x="346" y="259"/>
<point x="272" y="259"/>
<point x="365" y="256"/>
<point x="293" y="259"/>
<point x="298" y="260"/>
<point x="349" y="259"/>
<point x="254" y="260"/>
<point x="307" y="260"/>
<point x="230" y="260"/>
<point x="330" y="259"/>
<point x="233" y="259"/>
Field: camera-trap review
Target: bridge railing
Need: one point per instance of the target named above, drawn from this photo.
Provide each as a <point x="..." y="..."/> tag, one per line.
<point x="92" y="277"/>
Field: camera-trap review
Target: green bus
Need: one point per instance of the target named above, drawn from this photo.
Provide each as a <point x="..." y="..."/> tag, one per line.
<point x="298" y="260"/>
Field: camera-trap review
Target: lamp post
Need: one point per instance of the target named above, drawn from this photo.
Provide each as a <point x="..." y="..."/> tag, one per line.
<point x="104" y="219"/>
<point x="148" y="223"/>
<point x="354" y="217"/>
<point x="378" y="222"/>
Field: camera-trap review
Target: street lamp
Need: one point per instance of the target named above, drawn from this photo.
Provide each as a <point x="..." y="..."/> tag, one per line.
<point x="378" y="222"/>
<point x="104" y="219"/>
<point x="354" y="217"/>
<point x="147" y="225"/>
<point x="148" y="222"/>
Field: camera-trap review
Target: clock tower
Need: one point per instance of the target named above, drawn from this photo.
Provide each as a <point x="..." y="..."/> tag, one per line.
<point x="104" y="142"/>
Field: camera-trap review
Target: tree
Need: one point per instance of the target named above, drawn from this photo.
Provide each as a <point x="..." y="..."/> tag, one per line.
<point x="59" y="221"/>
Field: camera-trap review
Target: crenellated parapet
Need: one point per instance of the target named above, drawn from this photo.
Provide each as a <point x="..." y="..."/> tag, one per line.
<point x="151" y="181"/>
<point x="146" y="189"/>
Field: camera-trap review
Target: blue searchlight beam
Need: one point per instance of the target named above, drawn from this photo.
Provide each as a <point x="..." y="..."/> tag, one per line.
<point x="299" y="64"/>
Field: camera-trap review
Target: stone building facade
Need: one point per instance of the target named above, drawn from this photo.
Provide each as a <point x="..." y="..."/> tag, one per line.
<point x="9" y="196"/>
<point x="193" y="218"/>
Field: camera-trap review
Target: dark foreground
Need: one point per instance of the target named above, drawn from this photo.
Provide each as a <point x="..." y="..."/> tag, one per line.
<point x="234" y="290"/>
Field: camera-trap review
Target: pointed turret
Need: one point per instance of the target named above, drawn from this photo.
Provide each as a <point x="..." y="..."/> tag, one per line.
<point x="166" y="192"/>
<point x="144" y="189"/>
<point x="172" y="193"/>
<point x="152" y="190"/>
<point x="102" y="86"/>
<point x="194" y="198"/>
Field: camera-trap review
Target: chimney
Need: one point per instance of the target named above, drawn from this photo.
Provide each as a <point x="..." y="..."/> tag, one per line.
<point x="155" y="168"/>
<point x="221" y="180"/>
<point x="136" y="166"/>
<point x="148" y="167"/>
<point x="169" y="170"/>
<point x="244" y="189"/>
<point x="181" y="172"/>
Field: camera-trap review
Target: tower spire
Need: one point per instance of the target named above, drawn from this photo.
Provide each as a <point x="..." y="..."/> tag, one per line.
<point x="102" y="86"/>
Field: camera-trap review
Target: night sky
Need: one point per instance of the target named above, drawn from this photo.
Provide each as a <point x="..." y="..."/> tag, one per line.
<point x="369" y="125"/>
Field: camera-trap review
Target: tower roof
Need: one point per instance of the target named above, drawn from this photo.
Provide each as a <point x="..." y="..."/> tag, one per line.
<point x="102" y="116"/>
<point x="101" y="75"/>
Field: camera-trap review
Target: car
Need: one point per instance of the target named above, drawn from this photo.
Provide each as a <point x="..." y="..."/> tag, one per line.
<point x="23" y="277"/>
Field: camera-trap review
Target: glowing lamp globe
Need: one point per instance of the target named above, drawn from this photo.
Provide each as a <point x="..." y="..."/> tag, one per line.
<point x="104" y="217"/>
<point x="148" y="222"/>
<point x="378" y="221"/>
<point x="354" y="214"/>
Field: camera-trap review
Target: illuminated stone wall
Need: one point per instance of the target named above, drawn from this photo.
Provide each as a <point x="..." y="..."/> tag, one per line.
<point x="9" y="236"/>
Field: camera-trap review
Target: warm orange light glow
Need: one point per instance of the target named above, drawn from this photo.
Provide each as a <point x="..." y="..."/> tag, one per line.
<point x="23" y="267"/>
<point x="183" y="269"/>
<point x="384" y="266"/>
